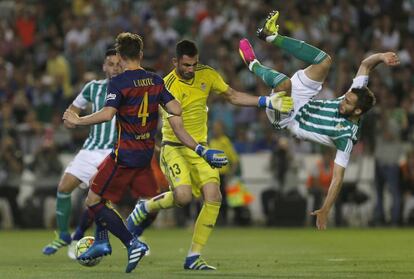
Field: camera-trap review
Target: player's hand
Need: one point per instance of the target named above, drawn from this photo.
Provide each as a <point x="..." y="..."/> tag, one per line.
<point x="321" y="218"/>
<point x="277" y="101"/>
<point x="70" y="117"/>
<point x="215" y="158"/>
<point x="68" y="125"/>
<point x="390" y="59"/>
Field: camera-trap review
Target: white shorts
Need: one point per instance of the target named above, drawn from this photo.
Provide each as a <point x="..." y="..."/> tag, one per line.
<point x="86" y="162"/>
<point x="303" y="89"/>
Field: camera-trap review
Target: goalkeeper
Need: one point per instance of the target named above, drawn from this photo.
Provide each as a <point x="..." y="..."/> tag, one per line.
<point x="188" y="174"/>
<point x="333" y="122"/>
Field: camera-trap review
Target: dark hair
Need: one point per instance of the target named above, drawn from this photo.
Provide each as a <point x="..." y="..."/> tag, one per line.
<point x="186" y="47"/>
<point x="110" y="52"/>
<point x="366" y="98"/>
<point x="129" y="45"/>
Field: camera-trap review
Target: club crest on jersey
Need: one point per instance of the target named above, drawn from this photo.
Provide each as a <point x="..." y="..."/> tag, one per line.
<point x="203" y="86"/>
<point x="110" y="96"/>
<point x="339" y="126"/>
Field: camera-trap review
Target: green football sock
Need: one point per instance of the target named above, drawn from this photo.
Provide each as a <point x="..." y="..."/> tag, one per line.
<point x="299" y="49"/>
<point x="63" y="207"/>
<point x="270" y="77"/>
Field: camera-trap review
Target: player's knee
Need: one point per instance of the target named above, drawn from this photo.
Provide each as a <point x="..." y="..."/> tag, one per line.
<point x="92" y="199"/>
<point x="327" y="62"/>
<point x="212" y="194"/>
<point x="182" y="196"/>
<point x="65" y="187"/>
<point x="214" y="197"/>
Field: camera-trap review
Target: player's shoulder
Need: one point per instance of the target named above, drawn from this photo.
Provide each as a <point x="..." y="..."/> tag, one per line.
<point x="154" y="76"/>
<point x="94" y="82"/>
<point x="170" y="78"/>
<point x="204" y="68"/>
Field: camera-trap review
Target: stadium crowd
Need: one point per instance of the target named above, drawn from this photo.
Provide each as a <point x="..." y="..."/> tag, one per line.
<point x="50" y="49"/>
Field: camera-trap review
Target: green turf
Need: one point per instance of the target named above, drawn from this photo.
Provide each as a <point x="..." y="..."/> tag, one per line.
<point x="237" y="253"/>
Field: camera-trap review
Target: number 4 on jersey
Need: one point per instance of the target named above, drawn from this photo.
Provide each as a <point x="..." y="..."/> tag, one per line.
<point x="143" y="110"/>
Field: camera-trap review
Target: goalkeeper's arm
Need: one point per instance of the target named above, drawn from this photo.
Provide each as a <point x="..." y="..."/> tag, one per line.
<point x="278" y="101"/>
<point x="216" y="158"/>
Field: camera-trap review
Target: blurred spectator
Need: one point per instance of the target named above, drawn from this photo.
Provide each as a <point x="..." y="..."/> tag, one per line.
<point x="11" y="168"/>
<point x="26" y="27"/>
<point x="407" y="170"/>
<point x="388" y="34"/>
<point x="57" y="67"/>
<point x="221" y="142"/>
<point x="280" y="161"/>
<point x="392" y="121"/>
<point x="320" y="177"/>
<point x="46" y="166"/>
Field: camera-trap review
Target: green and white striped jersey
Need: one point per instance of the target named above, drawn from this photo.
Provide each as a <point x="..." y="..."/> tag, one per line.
<point x="320" y="121"/>
<point x="101" y="136"/>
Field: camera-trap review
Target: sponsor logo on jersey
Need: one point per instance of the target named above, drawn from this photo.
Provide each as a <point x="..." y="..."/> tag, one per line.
<point x="110" y="96"/>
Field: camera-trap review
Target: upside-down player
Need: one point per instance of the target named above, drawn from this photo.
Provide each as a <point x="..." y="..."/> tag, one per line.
<point x="333" y="122"/>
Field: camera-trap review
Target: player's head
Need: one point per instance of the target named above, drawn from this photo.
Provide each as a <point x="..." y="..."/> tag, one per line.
<point x="357" y="102"/>
<point x="129" y="46"/>
<point x="112" y="63"/>
<point x="186" y="59"/>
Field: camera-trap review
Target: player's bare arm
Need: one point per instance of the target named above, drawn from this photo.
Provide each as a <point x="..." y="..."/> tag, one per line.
<point x="177" y="125"/>
<point x="240" y="98"/>
<point x="173" y="107"/>
<point x="369" y="63"/>
<point x="334" y="189"/>
<point x="104" y="115"/>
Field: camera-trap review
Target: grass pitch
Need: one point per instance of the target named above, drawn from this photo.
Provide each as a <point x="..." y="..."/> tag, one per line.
<point x="237" y="253"/>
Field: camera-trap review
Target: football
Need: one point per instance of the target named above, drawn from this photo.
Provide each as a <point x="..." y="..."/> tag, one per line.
<point x="83" y="245"/>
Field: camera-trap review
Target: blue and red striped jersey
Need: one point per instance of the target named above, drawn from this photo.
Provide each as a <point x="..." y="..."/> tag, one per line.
<point x="136" y="95"/>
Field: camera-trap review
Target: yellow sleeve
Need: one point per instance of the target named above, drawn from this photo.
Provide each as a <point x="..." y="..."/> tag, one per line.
<point x="218" y="84"/>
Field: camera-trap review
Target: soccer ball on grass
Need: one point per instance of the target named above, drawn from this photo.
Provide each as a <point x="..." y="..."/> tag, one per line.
<point x="83" y="245"/>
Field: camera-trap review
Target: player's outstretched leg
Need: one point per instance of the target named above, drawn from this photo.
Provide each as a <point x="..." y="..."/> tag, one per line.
<point x="299" y="49"/>
<point x="66" y="185"/>
<point x="136" y="251"/>
<point x="203" y="227"/>
<point x="270" y="77"/>
<point x="144" y="209"/>
<point x="61" y="240"/>
<point x="197" y="263"/>
<point x="136" y="217"/>
<point x="85" y="222"/>
<point x="105" y="214"/>
<point x="101" y="246"/>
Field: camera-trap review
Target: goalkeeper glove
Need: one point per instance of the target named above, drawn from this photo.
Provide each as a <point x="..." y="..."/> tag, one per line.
<point x="277" y="101"/>
<point x="215" y="158"/>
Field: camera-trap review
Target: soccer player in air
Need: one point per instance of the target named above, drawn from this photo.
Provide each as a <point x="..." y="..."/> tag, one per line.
<point x="332" y="122"/>
<point x="134" y="97"/>
<point x="97" y="146"/>
<point x="188" y="175"/>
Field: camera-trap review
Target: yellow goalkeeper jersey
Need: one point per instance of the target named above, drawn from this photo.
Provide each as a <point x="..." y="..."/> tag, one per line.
<point x="193" y="94"/>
